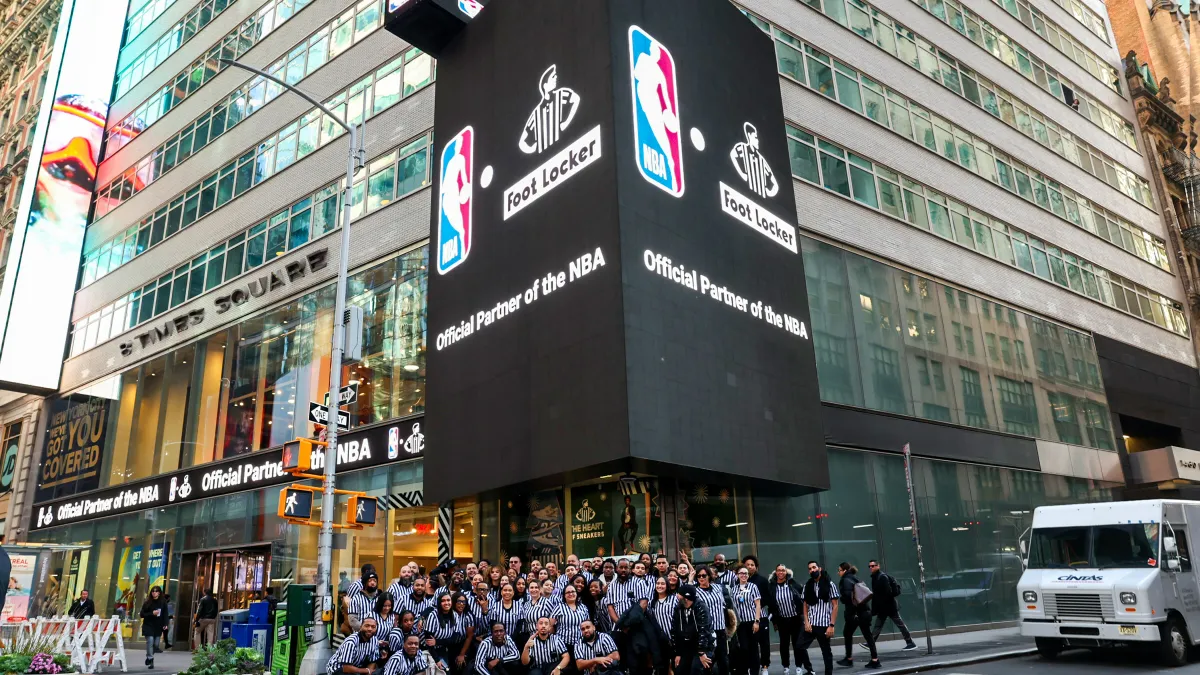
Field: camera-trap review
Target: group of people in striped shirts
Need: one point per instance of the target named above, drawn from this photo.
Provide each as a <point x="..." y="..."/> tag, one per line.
<point x="599" y="617"/>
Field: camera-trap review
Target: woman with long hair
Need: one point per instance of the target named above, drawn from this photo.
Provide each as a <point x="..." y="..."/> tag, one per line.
<point x="568" y="616"/>
<point x="548" y="595"/>
<point x="385" y="618"/>
<point x="662" y="608"/>
<point x="599" y="606"/>
<point x="444" y="637"/>
<point x="673" y="583"/>
<point x="580" y="583"/>
<point x="154" y="620"/>
<point x="521" y="588"/>
<point x="747" y="604"/>
<point x="858" y="616"/>
<point x="495" y="581"/>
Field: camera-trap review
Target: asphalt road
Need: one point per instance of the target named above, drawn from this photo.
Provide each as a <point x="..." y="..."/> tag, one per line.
<point x="1104" y="662"/>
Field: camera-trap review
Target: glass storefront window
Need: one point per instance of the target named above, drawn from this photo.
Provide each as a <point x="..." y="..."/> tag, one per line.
<point x="248" y="388"/>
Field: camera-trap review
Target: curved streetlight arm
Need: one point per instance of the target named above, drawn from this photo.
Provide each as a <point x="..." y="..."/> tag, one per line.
<point x="320" y="106"/>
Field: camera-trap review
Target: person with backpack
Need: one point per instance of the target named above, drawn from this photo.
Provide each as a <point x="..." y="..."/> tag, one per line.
<point x="884" y="605"/>
<point x="856" y="599"/>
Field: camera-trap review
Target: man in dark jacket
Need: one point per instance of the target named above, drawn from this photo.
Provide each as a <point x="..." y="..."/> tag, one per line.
<point x="750" y="562"/>
<point x="83" y="607"/>
<point x="858" y="616"/>
<point x="785" y="600"/>
<point x="692" y="636"/>
<point x="884" y="605"/>
<point x="642" y="636"/>
<point x="206" y="619"/>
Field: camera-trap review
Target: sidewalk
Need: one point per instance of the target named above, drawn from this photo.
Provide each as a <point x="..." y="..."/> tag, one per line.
<point x="166" y="663"/>
<point x="948" y="650"/>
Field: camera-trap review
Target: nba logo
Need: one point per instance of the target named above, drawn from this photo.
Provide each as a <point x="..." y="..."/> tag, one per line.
<point x="454" y="201"/>
<point x="658" y="145"/>
<point x="393" y="442"/>
<point x="470" y="7"/>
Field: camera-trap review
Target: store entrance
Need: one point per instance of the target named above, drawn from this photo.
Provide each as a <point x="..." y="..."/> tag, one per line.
<point x="236" y="576"/>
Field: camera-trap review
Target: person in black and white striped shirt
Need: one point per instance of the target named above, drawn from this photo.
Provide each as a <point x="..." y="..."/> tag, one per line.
<point x="406" y="625"/>
<point x="784" y="597"/>
<point x="568" y="616"/>
<point x="385" y="618"/>
<point x="662" y="608"/>
<point x="357" y="653"/>
<point x="596" y="652"/>
<point x="498" y="654"/>
<point x="362" y="603"/>
<point x="624" y="591"/>
<point x="409" y="660"/>
<point x="419" y="600"/>
<point x="747" y="605"/>
<point x="545" y="653"/>
<point x="403" y="585"/>
<point x="820" y="614"/>
<point x="508" y="610"/>
<point x="712" y="595"/>
<point x="724" y="575"/>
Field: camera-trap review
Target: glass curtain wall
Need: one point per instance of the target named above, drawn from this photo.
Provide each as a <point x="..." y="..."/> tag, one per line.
<point x="892" y="341"/>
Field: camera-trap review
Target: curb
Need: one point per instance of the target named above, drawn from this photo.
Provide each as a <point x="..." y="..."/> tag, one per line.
<point x="953" y="662"/>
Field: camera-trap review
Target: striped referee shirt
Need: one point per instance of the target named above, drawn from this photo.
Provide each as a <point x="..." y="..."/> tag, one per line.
<point x="785" y="600"/>
<point x="560" y="583"/>
<point x="417" y="607"/>
<point x="664" y="611"/>
<point x="743" y="602"/>
<point x="568" y="621"/>
<point x="401" y="664"/>
<point x="821" y="614"/>
<point x="446" y="631"/>
<point x="535" y="611"/>
<point x="361" y="603"/>
<point x="384" y="625"/>
<point x="397" y="636"/>
<point x="602" y="644"/>
<point x="400" y="591"/>
<point x="728" y="578"/>
<point x="354" y="587"/>
<point x="600" y="617"/>
<point x="354" y="652"/>
<point x="546" y="652"/>
<point x="618" y="592"/>
<point x="509" y="616"/>
<point x="714" y="601"/>
<point x="489" y="651"/>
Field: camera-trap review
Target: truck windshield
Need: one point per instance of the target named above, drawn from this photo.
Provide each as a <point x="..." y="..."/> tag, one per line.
<point x="1129" y="545"/>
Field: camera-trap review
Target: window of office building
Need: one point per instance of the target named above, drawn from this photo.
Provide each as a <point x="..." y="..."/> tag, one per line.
<point x="888" y="353"/>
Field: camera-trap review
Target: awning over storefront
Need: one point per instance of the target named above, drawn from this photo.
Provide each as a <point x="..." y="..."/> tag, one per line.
<point x="1165" y="465"/>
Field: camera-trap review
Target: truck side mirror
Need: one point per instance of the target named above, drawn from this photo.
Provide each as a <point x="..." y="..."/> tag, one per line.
<point x="1169" y="546"/>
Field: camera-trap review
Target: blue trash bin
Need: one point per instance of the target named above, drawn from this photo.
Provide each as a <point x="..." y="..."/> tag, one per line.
<point x="229" y="618"/>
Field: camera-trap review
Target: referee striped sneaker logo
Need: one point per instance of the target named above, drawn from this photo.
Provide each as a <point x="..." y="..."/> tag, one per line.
<point x="750" y="164"/>
<point x="551" y="116"/>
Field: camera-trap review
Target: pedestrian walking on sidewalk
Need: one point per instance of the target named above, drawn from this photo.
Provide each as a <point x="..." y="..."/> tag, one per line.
<point x="884" y="605"/>
<point x="205" y="622"/>
<point x="785" y="599"/>
<point x="856" y="603"/>
<point x="820" y="616"/>
<point x="154" y="620"/>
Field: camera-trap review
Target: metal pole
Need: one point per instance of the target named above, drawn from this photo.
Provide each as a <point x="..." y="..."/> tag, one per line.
<point x="916" y="535"/>
<point x="318" y="652"/>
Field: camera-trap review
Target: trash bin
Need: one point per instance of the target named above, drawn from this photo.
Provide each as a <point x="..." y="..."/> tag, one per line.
<point x="252" y="635"/>
<point x="229" y="618"/>
<point x="260" y="612"/>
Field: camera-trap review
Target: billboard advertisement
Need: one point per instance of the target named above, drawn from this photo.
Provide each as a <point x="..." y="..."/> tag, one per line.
<point x="40" y="272"/>
<point x="619" y="282"/>
<point x="20" y="587"/>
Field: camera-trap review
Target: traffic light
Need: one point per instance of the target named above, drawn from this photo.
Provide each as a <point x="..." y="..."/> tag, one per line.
<point x="362" y="511"/>
<point x="297" y="455"/>
<point x="296" y="503"/>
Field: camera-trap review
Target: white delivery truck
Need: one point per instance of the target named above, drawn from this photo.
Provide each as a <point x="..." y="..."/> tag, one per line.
<point x="1112" y="573"/>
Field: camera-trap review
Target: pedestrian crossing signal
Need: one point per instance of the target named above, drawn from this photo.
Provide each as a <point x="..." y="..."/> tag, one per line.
<point x="297" y="455"/>
<point x="295" y="504"/>
<point x="362" y="511"/>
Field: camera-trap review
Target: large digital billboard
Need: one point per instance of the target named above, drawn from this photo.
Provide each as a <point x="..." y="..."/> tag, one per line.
<point x="618" y="284"/>
<point x="43" y="259"/>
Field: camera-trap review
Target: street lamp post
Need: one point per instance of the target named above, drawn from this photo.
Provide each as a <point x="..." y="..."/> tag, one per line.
<point x="318" y="652"/>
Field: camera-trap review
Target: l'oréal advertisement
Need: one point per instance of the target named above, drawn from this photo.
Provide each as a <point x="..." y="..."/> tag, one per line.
<point x="39" y="275"/>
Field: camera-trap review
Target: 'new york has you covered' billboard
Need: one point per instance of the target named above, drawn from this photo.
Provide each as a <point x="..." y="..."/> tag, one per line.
<point x="617" y="280"/>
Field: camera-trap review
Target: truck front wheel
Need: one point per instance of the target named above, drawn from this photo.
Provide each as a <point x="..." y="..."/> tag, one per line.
<point x="1173" y="649"/>
<point x="1049" y="648"/>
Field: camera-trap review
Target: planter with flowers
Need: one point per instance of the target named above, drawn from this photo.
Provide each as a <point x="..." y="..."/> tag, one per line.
<point x="43" y="663"/>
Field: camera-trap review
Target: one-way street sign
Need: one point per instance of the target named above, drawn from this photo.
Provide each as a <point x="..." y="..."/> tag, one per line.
<point x="320" y="415"/>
